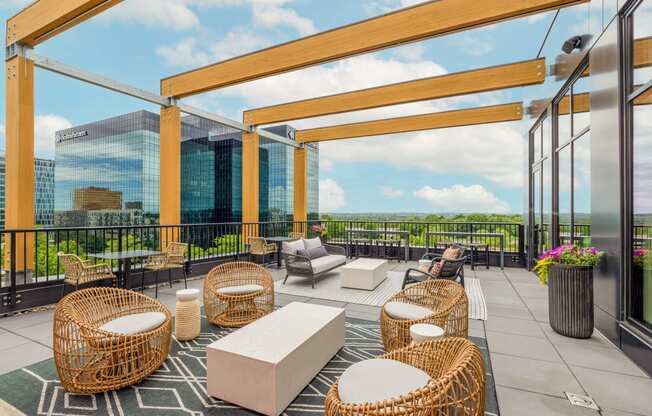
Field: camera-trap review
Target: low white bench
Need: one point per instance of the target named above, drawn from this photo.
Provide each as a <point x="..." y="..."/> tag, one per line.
<point x="266" y="364"/>
<point x="364" y="274"/>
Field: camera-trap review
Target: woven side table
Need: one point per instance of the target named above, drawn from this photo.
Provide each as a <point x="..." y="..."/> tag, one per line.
<point x="187" y="322"/>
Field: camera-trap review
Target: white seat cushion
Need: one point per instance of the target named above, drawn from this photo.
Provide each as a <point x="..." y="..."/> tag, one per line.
<point x="311" y="243"/>
<point x="136" y="323"/>
<point x="291" y="247"/>
<point x="185" y="295"/>
<point x="327" y="262"/>
<point x="372" y="381"/>
<point x="406" y="311"/>
<point x="240" y="290"/>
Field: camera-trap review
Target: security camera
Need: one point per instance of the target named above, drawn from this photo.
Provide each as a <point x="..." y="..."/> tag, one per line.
<point x="571" y="44"/>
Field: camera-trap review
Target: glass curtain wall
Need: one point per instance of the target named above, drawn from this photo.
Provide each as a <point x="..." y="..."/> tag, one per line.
<point x="573" y="160"/>
<point x="540" y="186"/>
<point x="638" y="109"/>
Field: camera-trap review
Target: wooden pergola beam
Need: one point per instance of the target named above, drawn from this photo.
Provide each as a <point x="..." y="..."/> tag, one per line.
<point x="460" y="83"/>
<point x="434" y="18"/>
<point x="44" y="19"/>
<point x="445" y="119"/>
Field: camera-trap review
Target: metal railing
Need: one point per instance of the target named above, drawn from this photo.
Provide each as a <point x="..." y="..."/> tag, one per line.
<point x="32" y="275"/>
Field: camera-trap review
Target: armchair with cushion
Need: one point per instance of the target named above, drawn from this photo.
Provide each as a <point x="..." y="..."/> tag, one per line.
<point x="439" y="269"/>
<point x="441" y="377"/>
<point x="452" y="252"/>
<point x="172" y="257"/>
<point x="258" y="246"/>
<point x="309" y="258"/>
<point x="438" y="302"/>
<point x="79" y="272"/>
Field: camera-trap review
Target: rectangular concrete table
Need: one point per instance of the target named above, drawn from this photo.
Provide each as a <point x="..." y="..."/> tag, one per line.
<point x="364" y="274"/>
<point x="263" y="366"/>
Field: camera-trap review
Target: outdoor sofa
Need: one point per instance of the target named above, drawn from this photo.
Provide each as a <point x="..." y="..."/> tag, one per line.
<point x="310" y="258"/>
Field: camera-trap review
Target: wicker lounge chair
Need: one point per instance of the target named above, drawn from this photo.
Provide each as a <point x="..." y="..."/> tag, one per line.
<point x="237" y="293"/>
<point x="296" y="235"/>
<point x="438" y="302"/>
<point x="441" y="377"/>
<point x="80" y="272"/>
<point x="258" y="246"/>
<point x="107" y="338"/>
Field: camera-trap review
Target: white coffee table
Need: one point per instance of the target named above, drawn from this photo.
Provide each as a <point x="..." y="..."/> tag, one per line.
<point x="263" y="366"/>
<point x="364" y="274"/>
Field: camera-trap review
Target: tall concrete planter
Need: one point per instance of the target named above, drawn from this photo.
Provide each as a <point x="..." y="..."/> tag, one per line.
<point x="570" y="300"/>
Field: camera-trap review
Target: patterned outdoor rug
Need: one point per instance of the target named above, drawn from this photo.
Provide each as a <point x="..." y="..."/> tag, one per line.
<point x="328" y="287"/>
<point x="179" y="386"/>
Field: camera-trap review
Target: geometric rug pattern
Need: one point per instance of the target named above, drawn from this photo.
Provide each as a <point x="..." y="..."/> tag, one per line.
<point x="179" y="386"/>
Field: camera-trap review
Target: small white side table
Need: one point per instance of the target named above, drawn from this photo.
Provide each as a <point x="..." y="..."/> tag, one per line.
<point x="187" y="322"/>
<point x="425" y="332"/>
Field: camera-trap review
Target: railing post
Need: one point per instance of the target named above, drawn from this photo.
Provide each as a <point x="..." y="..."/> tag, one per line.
<point x="12" y="289"/>
<point x="521" y="243"/>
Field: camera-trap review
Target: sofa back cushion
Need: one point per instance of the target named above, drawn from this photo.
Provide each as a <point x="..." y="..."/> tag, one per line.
<point x="313" y="253"/>
<point x="312" y="243"/>
<point x="292" y="247"/>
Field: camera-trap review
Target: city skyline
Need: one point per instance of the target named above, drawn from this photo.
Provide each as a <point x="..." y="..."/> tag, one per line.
<point x="451" y="170"/>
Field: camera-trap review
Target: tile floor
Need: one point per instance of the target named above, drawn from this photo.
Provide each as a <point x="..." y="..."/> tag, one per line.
<point x="533" y="365"/>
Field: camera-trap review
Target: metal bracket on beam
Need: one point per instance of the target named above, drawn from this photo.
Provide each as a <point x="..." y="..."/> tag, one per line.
<point x="16" y="49"/>
<point x="277" y="138"/>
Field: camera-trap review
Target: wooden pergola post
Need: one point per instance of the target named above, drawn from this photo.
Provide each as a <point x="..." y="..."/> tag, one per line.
<point x="19" y="171"/>
<point x="250" y="183"/>
<point x="300" y="189"/>
<point x="170" y="172"/>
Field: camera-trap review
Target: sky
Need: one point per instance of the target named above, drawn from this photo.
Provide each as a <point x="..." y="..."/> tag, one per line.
<point x="466" y="169"/>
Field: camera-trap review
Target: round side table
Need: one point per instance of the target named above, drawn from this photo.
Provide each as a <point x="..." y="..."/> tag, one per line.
<point x="425" y="332"/>
<point x="187" y="321"/>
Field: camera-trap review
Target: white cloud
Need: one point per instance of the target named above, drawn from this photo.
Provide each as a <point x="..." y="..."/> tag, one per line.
<point x="492" y="151"/>
<point x="45" y="127"/>
<point x="345" y="75"/>
<point x="460" y="198"/>
<point x="184" y="52"/>
<point x="391" y="192"/>
<point x="268" y="15"/>
<point x="170" y="14"/>
<point x="187" y="52"/>
<point x="410" y="52"/>
<point x="331" y="196"/>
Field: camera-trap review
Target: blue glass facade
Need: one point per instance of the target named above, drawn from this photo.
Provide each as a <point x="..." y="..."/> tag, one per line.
<point x="121" y="155"/>
<point x="43" y="192"/>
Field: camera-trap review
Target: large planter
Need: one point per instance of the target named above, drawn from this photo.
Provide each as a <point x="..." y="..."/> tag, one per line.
<point x="570" y="300"/>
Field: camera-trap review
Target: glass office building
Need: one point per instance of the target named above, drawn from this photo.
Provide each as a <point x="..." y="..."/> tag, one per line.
<point x="43" y="192"/>
<point x="281" y="177"/>
<point x="120" y="156"/>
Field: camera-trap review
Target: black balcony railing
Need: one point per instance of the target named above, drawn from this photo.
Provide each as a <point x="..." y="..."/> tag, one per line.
<point x="32" y="275"/>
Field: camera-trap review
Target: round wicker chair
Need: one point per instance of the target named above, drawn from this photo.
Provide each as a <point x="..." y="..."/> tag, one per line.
<point x="237" y="293"/>
<point x="446" y="299"/>
<point x="91" y="360"/>
<point x="456" y="387"/>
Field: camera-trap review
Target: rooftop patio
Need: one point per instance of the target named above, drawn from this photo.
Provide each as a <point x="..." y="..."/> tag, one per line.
<point x="532" y="365"/>
<point x="261" y="341"/>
